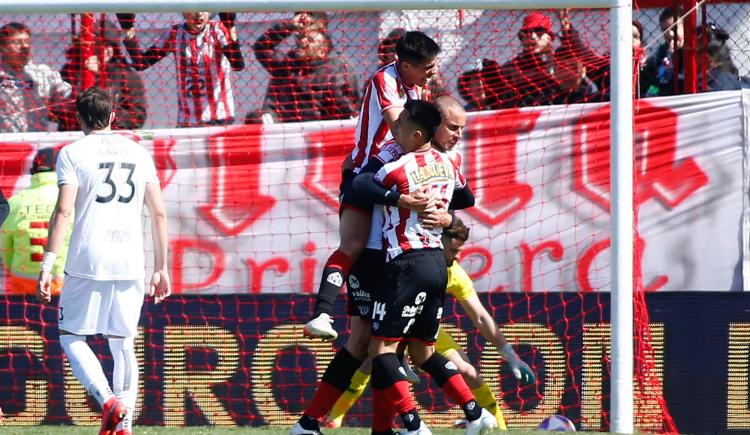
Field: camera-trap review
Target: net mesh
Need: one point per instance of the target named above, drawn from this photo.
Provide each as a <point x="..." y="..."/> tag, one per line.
<point x="253" y="213"/>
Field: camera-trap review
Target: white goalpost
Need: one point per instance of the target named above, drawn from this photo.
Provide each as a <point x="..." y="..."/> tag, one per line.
<point x="621" y="118"/>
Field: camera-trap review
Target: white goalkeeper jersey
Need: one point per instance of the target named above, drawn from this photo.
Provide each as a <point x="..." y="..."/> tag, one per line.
<point x="111" y="172"/>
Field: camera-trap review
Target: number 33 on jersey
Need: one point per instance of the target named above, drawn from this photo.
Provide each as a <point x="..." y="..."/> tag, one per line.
<point x="111" y="173"/>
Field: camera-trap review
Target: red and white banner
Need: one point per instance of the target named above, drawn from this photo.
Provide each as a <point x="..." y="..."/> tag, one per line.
<point x="254" y="208"/>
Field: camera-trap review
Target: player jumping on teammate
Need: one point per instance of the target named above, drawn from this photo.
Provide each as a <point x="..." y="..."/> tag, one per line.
<point x="386" y="93"/>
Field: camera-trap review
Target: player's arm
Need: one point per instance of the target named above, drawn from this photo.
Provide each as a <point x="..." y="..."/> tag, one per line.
<point x="58" y="229"/>
<point x="367" y="186"/>
<point x="462" y="198"/>
<point x="486" y="325"/>
<point x="160" y="286"/>
<point x="390" y="115"/>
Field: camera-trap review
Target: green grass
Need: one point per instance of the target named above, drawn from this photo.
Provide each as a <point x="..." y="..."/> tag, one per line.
<point x="151" y="430"/>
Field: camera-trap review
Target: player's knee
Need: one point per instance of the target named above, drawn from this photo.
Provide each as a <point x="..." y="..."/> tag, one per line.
<point x="471" y="375"/>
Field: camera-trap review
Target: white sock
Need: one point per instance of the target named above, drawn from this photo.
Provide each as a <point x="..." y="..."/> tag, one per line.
<point x="86" y="367"/>
<point x="125" y="376"/>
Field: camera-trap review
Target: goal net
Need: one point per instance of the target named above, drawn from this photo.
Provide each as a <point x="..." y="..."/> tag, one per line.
<point x="251" y="172"/>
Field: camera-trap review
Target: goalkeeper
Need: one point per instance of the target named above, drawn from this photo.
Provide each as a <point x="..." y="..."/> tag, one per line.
<point x="461" y="287"/>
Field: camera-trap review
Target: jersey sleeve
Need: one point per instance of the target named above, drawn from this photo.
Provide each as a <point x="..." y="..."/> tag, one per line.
<point x="149" y="173"/>
<point x="386" y="88"/>
<point x="66" y="168"/>
<point x="459" y="283"/>
<point x="391" y="151"/>
<point x="456" y="159"/>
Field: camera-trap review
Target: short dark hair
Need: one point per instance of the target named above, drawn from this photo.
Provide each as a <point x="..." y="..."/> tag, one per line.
<point x="94" y="106"/>
<point x="11" y="29"/>
<point x="457" y="230"/>
<point x="425" y="115"/>
<point x="416" y="48"/>
<point x="670" y="12"/>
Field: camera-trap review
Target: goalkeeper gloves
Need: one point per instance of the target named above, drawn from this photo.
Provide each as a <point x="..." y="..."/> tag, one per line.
<point x="127" y="21"/>
<point x="520" y="369"/>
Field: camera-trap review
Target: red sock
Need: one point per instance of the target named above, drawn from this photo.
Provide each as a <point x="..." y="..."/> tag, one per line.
<point x="382" y="411"/>
<point x="400" y="396"/>
<point x="339" y="260"/>
<point x="323" y="399"/>
<point x="455" y="387"/>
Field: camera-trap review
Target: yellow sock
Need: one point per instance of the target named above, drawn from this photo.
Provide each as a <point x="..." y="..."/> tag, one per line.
<point x="487" y="400"/>
<point x="346" y="401"/>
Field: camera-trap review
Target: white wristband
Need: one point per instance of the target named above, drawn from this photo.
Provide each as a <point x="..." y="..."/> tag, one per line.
<point x="48" y="260"/>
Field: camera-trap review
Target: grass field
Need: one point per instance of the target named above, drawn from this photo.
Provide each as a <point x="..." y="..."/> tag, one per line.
<point x="148" y="430"/>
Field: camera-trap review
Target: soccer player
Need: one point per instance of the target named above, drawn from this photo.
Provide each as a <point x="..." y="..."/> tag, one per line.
<point x="106" y="178"/>
<point x="206" y="52"/>
<point x="408" y="303"/>
<point x="350" y="361"/>
<point x="386" y="93"/>
<point x="460" y="287"/>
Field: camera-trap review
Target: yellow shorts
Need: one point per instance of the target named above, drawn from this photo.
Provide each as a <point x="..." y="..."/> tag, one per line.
<point x="445" y="344"/>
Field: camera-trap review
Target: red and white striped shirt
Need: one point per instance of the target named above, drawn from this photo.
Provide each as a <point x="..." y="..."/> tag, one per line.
<point x="384" y="91"/>
<point x="203" y="73"/>
<point x="402" y="229"/>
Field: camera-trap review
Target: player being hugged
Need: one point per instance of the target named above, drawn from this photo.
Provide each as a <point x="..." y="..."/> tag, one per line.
<point x="106" y="179"/>
<point x="387" y="91"/>
<point x="408" y="303"/>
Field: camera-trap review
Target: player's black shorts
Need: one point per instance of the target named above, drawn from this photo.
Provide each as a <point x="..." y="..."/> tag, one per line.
<point x="347" y="199"/>
<point x="409" y="301"/>
<point x="364" y="278"/>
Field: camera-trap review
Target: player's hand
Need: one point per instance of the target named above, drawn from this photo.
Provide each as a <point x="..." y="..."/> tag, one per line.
<point x="437" y="217"/>
<point x="160" y="287"/>
<point x="520" y="369"/>
<point x="44" y="287"/>
<point x="419" y="200"/>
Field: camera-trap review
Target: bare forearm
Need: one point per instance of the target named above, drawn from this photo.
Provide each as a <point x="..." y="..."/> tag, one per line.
<point x="58" y="227"/>
<point x="160" y="239"/>
<point x="490" y="331"/>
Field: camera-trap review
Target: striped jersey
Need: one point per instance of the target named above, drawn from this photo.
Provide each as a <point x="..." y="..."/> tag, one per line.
<point x="402" y="229"/>
<point x="203" y="73"/>
<point x="384" y="91"/>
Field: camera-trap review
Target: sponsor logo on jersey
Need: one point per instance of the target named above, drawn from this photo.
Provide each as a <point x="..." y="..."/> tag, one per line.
<point x="353" y="282"/>
<point x="364" y="311"/>
<point x="361" y="295"/>
<point x="429" y="172"/>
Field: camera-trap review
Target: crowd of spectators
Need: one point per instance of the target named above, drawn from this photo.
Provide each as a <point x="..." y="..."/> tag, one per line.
<point x="310" y="80"/>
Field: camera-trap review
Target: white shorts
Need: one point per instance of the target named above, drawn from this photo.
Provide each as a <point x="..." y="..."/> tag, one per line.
<point x="89" y="307"/>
